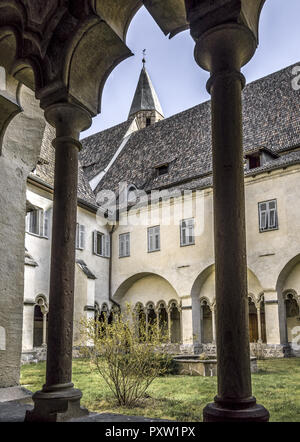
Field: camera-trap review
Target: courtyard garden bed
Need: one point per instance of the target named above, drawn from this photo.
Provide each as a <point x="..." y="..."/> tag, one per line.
<point x="182" y="398"/>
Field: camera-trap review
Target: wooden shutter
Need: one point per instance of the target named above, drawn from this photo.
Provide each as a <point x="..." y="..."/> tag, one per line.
<point x="27" y="221"/>
<point x="81" y="241"/>
<point x="127" y="244"/>
<point x="150" y="240"/>
<point x="272" y="214"/>
<point x="95" y="242"/>
<point x="77" y="236"/>
<point x="46" y="223"/>
<point x="157" y="238"/>
<point x="107" y="245"/>
<point x="121" y="246"/>
<point x="191" y="238"/>
<point x="263" y="216"/>
<point x="183" y="233"/>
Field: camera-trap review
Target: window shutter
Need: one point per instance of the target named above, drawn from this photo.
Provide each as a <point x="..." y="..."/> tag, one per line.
<point x="127" y="244"/>
<point x="81" y="244"/>
<point x="157" y="238"/>
<point x="263" y="216"/>
<point x="191" y="234"/>
<point x="107" y="245"/>
<point x="27" y="221"/>
<point x="77" y="236"/>
<point x="95" y="242"/>
<point x="40" y="222"/>
<point x="46" y="223"/>
<point x="121" y="246"/>
<point x="183" y="233"/>
<point x="150" y="239"/>
<point x="272" y="214"/>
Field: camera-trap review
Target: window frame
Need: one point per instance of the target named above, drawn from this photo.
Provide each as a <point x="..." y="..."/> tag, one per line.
<point x="105" y="244"/>
<point x="180" y="231"/>
<point x="80" y="240"/>
<point x="43" y="223"/>
<point x="148" y="239"/>
<point x="121" y="236"/>
<point x="268" y="229"/>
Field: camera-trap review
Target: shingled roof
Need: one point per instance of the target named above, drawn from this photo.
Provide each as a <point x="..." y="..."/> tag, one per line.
<point x="98" y="149"/>
<point x="145" y="97"/>
<point x="271" y="115"/>
<point x="45" y="168"/>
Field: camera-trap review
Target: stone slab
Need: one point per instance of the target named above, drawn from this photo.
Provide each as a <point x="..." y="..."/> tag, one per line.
<point x="14" y="411"/>
<point x="15" y="394"/>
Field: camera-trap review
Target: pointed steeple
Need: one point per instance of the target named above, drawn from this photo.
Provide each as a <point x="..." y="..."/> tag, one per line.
<point x="145" y="105"/>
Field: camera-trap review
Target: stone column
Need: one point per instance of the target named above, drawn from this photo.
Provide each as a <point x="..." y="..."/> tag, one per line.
<point x="201" y="325"/>
<point x="188" y="339"/>
<point x="223" y="50"/>
<point x="169" y="324"/>
<point x="28" y="321"/>
<point x="259" y="323"/>
<point x="213" y="313"/>
<point x="272" y="317"/>
<point x="58" y="400"/>
<point x="44" y="329"/>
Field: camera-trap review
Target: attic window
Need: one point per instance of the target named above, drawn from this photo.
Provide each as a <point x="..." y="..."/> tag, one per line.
<point x="148" y="122"/>
<point x="253" y="161"/>
<point x="162" y="170"/>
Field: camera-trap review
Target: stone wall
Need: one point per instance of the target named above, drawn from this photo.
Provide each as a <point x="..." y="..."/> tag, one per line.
<point x="19" y="154"/>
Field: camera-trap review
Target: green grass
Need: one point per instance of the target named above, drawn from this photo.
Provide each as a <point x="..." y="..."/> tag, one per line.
<point x="182" y="398"/>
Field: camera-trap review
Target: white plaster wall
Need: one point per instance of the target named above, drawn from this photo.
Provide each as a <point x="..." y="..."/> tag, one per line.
<point x="267" y="252"/>
<point x="150" y="288"/>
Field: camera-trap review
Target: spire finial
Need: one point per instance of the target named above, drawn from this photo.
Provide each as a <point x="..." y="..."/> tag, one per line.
<point x="144" y="57"/>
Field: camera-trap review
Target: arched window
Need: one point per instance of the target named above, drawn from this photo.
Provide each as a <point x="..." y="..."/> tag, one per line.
<point x="292" y="314"/>
<point x="206" y="322"/>
<point x="40" y="326"/>
<point x="163" y="320"/>
<point x="140" y="318"/>
<point x="175" y="324"/>
<point x="253" y="323"/>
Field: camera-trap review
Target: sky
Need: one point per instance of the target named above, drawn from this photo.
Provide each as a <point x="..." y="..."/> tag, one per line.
<point x="179" y="82"/>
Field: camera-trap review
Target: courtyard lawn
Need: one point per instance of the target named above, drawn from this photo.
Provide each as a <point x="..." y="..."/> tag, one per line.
<point x="182" y="398"/>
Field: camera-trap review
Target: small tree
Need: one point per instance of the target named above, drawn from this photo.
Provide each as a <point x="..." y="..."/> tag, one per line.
<point x="125" y="352"/>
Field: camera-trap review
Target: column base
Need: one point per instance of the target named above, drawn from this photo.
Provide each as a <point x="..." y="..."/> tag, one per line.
<point x="239" y="411"/>
<point x="57" y="404"/>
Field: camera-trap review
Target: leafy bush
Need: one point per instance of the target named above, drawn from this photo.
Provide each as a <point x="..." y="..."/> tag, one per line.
<point x="125" y="353"/>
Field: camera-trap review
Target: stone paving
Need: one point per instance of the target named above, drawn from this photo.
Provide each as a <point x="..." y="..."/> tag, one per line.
<point x="14" y="401"/>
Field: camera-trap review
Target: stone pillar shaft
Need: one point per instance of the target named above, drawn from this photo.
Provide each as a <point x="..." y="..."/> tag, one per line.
<point x="58" y="400"/>
<point x="59" y="361"/>
<point x="169" y="324"/>
<point x="213" y="324"/>
<point x="223" y="50"/>
<point x="259" y="324"/>
<point x="44" y="329"/>
<point x="233" y="352"/>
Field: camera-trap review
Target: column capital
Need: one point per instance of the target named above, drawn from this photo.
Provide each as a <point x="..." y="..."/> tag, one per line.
<point x="68" y="119"/>
<point x="225" y="48"/>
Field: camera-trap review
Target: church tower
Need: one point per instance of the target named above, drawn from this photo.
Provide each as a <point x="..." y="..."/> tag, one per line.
<point x="145" y="108"/>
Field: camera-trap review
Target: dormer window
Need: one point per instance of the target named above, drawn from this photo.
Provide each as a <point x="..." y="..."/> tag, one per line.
<point x="254" y="161"/>
<point x="162" y="170"/>
<point x="148" y="121"/>
<point x="259" y="157"/>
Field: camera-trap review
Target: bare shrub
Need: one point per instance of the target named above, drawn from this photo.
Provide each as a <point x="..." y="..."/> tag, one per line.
<point x="125" y="353"/>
